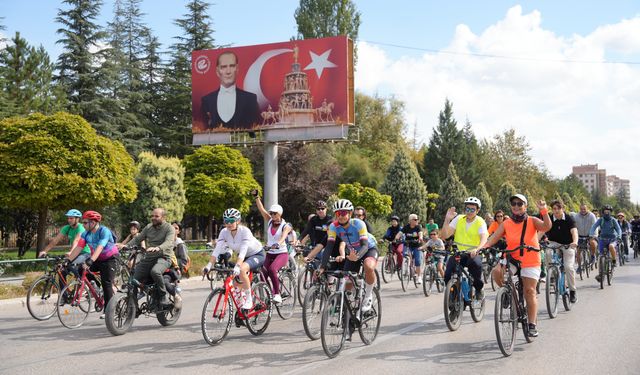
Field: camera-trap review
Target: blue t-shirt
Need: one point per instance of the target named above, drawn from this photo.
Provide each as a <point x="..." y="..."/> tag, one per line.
<point x="102" y="237"/>
<point x="351" y="234"/>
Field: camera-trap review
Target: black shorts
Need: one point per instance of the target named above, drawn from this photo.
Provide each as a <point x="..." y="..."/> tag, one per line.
<point x="355" y="266"/>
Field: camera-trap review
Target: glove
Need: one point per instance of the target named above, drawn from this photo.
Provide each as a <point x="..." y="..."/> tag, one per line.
<point x="88" y="262"/>
<point x="236" y="270"/>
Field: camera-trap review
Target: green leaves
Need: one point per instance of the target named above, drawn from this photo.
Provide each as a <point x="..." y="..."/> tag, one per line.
<point x="375" y="203"/>
<point x="404" y="185"/>
<point x="452" y="193"/>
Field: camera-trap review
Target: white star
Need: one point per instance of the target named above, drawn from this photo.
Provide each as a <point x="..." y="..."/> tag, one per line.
<point x="320" y="62"/>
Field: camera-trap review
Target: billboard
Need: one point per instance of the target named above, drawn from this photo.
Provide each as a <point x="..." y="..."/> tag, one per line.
<point x="289" y="91"/>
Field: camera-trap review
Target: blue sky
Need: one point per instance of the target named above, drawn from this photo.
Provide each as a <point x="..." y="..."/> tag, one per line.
<point x="565" y="109"/>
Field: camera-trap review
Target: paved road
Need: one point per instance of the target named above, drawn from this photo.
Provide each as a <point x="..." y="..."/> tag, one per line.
<point x="601" y="335"/>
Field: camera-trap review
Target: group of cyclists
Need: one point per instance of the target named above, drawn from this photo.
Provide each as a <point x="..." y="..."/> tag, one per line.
<point x="346" y="240"/>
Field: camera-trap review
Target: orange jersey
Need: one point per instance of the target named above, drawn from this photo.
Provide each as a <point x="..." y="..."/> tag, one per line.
<point x="513" y="233"/>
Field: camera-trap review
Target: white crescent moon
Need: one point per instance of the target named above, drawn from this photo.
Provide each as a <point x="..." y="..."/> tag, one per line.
<point x="252" y="79"/>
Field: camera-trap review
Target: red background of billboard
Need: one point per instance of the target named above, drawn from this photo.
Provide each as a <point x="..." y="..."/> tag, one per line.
<point x="332" y="85"/>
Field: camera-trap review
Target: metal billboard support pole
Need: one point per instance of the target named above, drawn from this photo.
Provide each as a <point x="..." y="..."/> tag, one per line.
<point x="270" y="177"/>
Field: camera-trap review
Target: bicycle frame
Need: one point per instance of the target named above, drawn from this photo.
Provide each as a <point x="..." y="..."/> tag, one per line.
<point x="230" y="293"/>
<point x="84" y="281"/>
<point x="463" y="278"/>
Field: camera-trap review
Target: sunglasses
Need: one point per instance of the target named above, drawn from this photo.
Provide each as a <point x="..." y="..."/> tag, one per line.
<point x="470" y="209"/>
<point x="273" y="213"/>
<point x="321" y="208"/>
<point x="342" y="212"/>
<point x="497" y="216"/>
<point x="85" y="222"/>
<point x="432" y="234"/>
<point x="517" y="203"/>
<point x="229" y="220"/>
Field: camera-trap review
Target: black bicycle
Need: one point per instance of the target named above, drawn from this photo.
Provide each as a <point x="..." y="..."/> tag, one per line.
<point x="582" y="254"/>
<point x="510" y="307"/>
<point x="635" y="243"/>
<point x="314" y="301"/>
<point x="42" y="296"/>
<point x="459" y="294"/>
<point x="605" y="267"/>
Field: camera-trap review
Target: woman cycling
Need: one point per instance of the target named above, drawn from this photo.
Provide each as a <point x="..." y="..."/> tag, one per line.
<point x="522" y="229"/>
<point x="238" y="238"/>
<point x="278" y="254"/>
<point x="498" y="218"/>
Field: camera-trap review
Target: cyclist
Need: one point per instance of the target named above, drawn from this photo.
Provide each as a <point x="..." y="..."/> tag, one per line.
<point x="522" y="229"/>
<point x="278" y="254"/>
<point x="73" y="230"/>
<point x="431" y="226"/>
<point x="316" y="229"/>
<point x="103" y="249"/>
<point x="625" y="227"/>
<point x="609" y="233"/>
<point x="361" y="245"/>
<point x="584" y="221"/>
<point x="390" y="235"/>
<point x="635" y="230"/>
<point x="498" y="218"/>
<point x="361" y="213"/>
<point x="412" y="233"/>
<point x="159" y="235"/>
<point x="436" y="243"/>
<point x="563" y="231"/>
<point x="470" y="232"/>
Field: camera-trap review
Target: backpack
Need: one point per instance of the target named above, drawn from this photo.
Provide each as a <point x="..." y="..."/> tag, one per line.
<point x="114" y="238"/>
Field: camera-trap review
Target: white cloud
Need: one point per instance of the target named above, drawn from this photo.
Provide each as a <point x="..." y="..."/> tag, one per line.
<point x="571" y="112"/>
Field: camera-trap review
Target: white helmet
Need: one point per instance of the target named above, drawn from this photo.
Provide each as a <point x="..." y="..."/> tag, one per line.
<point x="343" y="204"/>
<point x="473" y="200"/>
<point x="231" y="213"/>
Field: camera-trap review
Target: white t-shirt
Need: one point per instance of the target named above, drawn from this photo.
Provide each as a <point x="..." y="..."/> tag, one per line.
<point x="454" y="224"/>
<point x="243" y="243"/>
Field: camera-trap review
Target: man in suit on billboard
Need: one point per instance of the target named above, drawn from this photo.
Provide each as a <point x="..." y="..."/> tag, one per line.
<point x="229" y="107"/>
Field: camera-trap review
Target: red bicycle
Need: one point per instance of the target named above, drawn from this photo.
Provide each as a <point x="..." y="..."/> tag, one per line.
<point x="74" y="301"/>
<point x="218" y="311"/>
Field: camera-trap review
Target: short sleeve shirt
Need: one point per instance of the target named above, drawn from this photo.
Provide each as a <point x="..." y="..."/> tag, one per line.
<point x="71" y="234"/>
<point x="412" y="234"/>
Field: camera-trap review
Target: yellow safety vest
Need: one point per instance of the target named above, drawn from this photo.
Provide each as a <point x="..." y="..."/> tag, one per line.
<point x="468" y="237"/>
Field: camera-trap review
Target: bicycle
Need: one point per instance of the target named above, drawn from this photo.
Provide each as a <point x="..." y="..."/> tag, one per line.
<point x="407" y="270"/>
<point x="342" y="315"/>
<point x="74" y="300"/>
<point x="510" y="306"/>
<point x="124" y="307"/>
<point x="306" y="277"/>
<point x="388" y="266"/>
<point x="584" y="265"/>
<point x="635" y="243"/>
<point x="42" y="296"/>
<point x="288" y="289"/>
<point x="215" y="278"/>
<point x="218" y="310"/>
<point x="460" y="293"/>
<point x="556" y="282"/>
<point x="430" y="273"/>
<point x="489" y="260"/>
<point x="621" y="249"/>
<point x="314" y="302"/>
<point x="605" y="267"/>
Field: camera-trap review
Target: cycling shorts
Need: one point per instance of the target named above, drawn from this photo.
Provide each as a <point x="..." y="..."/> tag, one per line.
<point x="255" y="261"/>
<point x="355" y="266"/>
<point x="603" y="243"/>
<point x="528" y="272"/>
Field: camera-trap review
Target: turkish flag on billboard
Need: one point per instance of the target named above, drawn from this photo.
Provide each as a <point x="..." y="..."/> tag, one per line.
<point x="294" y="84"/>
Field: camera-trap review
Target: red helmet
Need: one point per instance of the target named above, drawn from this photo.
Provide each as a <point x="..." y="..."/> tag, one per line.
<point x="92" y="215"/>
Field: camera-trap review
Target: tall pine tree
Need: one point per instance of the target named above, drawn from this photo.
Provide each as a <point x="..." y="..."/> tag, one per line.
<point x="452" y="193"/>
<point x="505" y="192"/>
<point x="482" y="194"/>
<point x="404" y="185"/>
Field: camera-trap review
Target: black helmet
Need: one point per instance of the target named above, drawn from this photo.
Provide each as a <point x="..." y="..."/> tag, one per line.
<point x="134" y="224"/>
<point x="607" y="207"/>
<point x="321" y="204"/>
<point x="395" y="217"/>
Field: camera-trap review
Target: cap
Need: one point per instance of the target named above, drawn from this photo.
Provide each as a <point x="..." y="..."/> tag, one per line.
<point x="276" y="208"/>
<point x="519" y="196"/>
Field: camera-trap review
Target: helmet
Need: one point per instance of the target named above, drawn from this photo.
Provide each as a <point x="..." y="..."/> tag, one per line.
<point x="395" y="217"/>
<point x="607" y="207"/>
<point x="134" y="224"/>
<point x="321" y="204"/>
<point x="473" y="200"/>
<point x="231" y="213"/>
<point x="276" y="208"/>
<point x="73" y="213"/>
<point x="92" y="215"/>
<point x="343" y="204"/>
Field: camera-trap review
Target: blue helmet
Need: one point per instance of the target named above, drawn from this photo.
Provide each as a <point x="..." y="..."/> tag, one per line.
<point x="73" y="213"/>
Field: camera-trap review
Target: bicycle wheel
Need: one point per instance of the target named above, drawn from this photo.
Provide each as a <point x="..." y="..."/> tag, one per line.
<point x="377" y="284"/>
<point x="312" y="311"/>
<point x="439" y="282"/>
<point x="402" y="272"/>
<point x="505" y="321"/>
<point x="428" y="278"/>
<point x="551" y="291"/>
<point x="260" y="314"/>
<point x="566" y="300"/>
<point x="73" y="311"/>
<point x="215" y="281"/>
<point x="217" y="314"/>
<point x="601" y="270"/>
<point x="169" y="317"/>
<point x="609" y="272"/>
<point x="370" y="320"/>
<point x="453" y="305"/>
<point x="476" y="308"/>
<point x="388" y="268"/>
<point x="120" y="313"/>
<point x="305" y="280"/>
<point x="122" y="273"/>
<point x="288" y="294"/>
<point x="42" y="298"/>
<point x="413" y="274"/>
<point x="332" y="327"/>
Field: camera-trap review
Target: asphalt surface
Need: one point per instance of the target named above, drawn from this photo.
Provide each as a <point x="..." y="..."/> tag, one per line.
<point x="601" y="335"/>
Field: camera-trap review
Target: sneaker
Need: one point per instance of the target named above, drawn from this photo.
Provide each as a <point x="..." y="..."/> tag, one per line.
<point x="479" y="295"/>
<point x="419" y="281"/>
<point x="368" y="304"/>
<point x="177" y="302"/>
<point x="102" y="316"/>
<point x="572" y="296"/>
<point x="533" y="331"/>
<point x="277" y="299"/>
<point x="598" y="278"/>
<point x="579" y="270"/>
<point x="248" y="302"/>
<point x="165" y="301"/>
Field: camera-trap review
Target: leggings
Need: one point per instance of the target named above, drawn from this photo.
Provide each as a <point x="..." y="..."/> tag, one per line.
<point x="272" y="265"/>
<point x="397" y="249"/>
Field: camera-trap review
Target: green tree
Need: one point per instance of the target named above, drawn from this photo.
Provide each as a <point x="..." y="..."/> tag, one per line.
<point x="452" y="194"/>
<point x="173" y="125"/>
<point x="326" y="18"/>
<point x="432" y="203"/>
<point x="569" y="204"/>
<point x="481" y="193"/>
<point x="217" y="178"/>
<point x="532" y="207"/>
<point x="404" y="185"/>
<point x="375" y="203"/>
<point x="160" y="182"/>
<point x="502" y="198"/>
<point x="59" y="161"/>
<point x="27" y="78"/>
